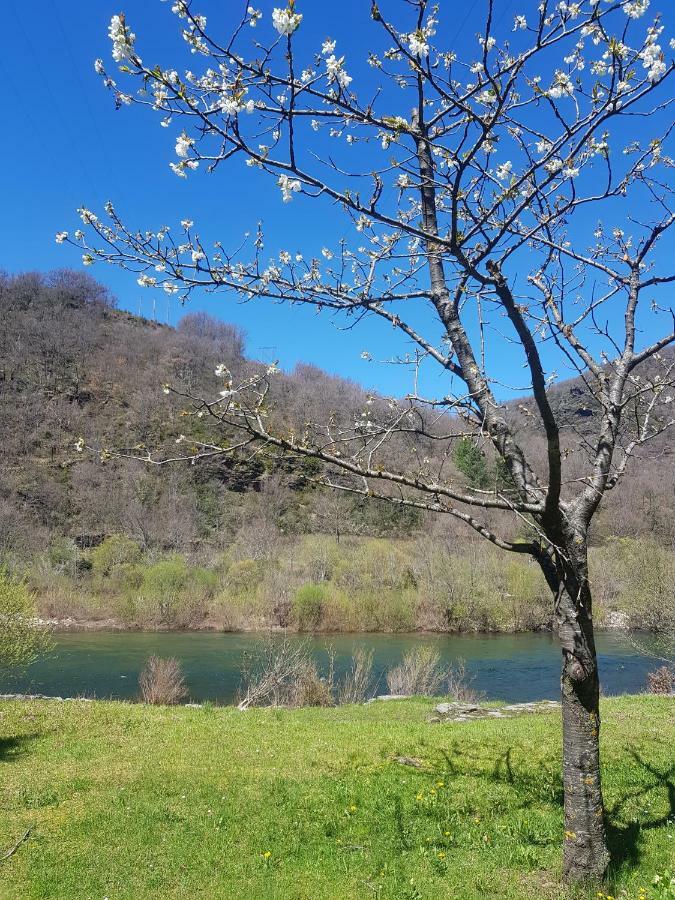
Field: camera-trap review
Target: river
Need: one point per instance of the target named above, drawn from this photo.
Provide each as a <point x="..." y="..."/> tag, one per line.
<point x="512" y="668"/>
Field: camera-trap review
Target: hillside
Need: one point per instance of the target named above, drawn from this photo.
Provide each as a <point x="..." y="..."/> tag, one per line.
<point x="73" y="366"/>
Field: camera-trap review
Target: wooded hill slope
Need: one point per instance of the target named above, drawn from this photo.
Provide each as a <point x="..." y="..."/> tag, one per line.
<point x="73" y="366"/>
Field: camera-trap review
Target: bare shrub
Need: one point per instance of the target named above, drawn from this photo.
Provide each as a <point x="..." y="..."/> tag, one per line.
<point x="258" y="540"/>
<point x="161" y="682"/>
<point x="420" y="673"/>
<point x="661" y="680"/>
<point x="458" y="684"/>
<point x="285" y="674"/>
<point x="311" y="689"/>
<point x="356" y="685"/>
<point x="266" y="680"/>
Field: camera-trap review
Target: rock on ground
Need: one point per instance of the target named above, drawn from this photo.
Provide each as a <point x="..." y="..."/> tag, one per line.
<point x="456" y="711"/>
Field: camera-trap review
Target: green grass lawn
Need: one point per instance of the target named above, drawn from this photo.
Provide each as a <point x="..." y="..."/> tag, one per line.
<point x="127" y="801"/>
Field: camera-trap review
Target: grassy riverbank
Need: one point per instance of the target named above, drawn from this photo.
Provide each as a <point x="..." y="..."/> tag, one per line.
<point x="126" y="801"/>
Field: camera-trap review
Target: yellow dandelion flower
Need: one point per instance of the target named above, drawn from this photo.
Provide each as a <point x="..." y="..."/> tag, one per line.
<point x="267" y="854"/>
<point x="440" y="784"/>
<point x="441" y="855"/>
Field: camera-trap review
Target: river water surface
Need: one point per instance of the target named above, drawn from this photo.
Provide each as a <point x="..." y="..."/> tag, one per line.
<point x="503" y="667"/>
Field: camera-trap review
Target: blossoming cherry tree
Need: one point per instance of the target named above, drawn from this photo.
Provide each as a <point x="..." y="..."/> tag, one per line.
<point x="515" y="196"/>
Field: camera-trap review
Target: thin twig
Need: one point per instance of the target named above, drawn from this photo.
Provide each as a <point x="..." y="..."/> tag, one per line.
<point x="16" y="846"/>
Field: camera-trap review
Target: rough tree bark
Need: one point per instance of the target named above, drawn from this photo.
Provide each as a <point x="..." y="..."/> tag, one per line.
<point x="585" y="853"/>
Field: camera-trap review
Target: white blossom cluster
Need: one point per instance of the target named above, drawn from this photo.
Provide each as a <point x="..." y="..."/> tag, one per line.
<point x="562" y="86"/>
<point x="652" y="56"/>
<point x="418" y="44"/>
<point x="122" y="39"/>
<point x="504" y="170"/>
<point x="286" y="21"/>
<point x="254" y="16"/>
<point x="336" y="73"/>
<point x="289" y="186"/>
<point x="636" y="8"/>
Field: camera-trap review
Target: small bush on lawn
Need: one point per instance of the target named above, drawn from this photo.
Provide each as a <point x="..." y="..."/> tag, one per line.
<point x="161" y="682"/>
<point x="357" y="684"/>
<point x="420" y="673"/>
<point x="285" y="674"/>
<point x="661" y="680"/>
<point x="21" y="639"/>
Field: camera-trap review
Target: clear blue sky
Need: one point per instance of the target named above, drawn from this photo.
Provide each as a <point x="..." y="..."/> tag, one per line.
<point x="66" y="146"/>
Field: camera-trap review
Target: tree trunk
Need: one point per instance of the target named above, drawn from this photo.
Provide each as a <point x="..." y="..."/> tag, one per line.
<point x="585" y="854"/>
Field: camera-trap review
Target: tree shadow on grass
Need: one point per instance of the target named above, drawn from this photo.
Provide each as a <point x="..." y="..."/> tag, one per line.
<point x="624" y="838"/>
<point x="496" y="764"/>
<point x="11" y="748"/>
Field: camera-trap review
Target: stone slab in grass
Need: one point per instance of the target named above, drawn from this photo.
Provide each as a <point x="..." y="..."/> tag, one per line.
<point x="455" y="711"/>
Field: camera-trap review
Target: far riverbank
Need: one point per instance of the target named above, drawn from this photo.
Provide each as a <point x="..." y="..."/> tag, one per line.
<point x="615" y="622"/>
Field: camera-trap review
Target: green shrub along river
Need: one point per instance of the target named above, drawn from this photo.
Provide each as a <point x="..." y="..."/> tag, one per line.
<point x="314" y="582"/>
